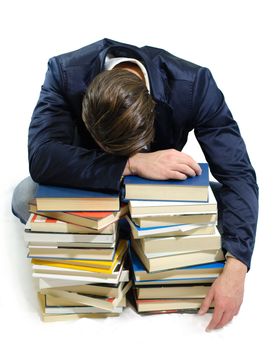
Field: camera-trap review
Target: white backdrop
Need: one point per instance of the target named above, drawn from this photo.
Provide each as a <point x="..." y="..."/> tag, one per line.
<point x="238" y="41"/>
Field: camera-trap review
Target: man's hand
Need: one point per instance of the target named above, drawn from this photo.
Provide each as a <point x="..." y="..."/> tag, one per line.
<point x="162" y="165"/>
<point x="226" y="294"/>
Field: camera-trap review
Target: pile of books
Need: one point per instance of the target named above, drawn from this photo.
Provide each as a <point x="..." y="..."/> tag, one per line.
<point x="78" y="259"/>
<point x="175" y="246"/>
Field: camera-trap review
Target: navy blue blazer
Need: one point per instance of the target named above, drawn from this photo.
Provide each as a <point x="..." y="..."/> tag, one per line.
<point x="62" y="152"/>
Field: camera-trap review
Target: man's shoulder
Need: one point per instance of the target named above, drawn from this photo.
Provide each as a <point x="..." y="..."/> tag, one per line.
<point x="175" y="67"/>
<point x="82" y="56"/>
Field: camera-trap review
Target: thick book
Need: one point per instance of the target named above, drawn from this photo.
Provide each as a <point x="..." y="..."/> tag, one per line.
<point x="109" y="290"/>
<point x="144" y="208"/>
<point x="53" y="317"/>
<point x="58" y="198"/>
<point x="69" y="238"/>
<point x="169" y="262"/>
<point x="38" y="223"/>
<point x="167" y="304"/>
<point x="192" y="189"/>
<point x="96" y="220"/>
<point x="208" y="270"/>
<point x="94" y="254"/>
<point x="79" y="279"/>
<point x="178" y="244"/>
<point x="66" y="298"/>
<point x="169" y="292"/>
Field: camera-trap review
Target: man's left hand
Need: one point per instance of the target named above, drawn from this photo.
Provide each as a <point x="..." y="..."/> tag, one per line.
<point x="226" y="294"/>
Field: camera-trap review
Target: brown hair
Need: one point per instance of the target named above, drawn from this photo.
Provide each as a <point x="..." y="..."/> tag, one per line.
<point x="118" y="111"/>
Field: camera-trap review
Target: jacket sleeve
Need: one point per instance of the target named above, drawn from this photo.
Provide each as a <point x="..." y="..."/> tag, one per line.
<point x="53" y="159"/>
<point x="225" y="151"/>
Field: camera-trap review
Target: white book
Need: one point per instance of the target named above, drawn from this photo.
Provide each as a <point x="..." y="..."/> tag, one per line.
<point x="76" y="280"/>
<point x="78" y="310"/>
<point x="68" y="237"/>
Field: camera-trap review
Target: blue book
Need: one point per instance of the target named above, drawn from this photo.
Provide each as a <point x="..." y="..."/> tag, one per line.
<point x="192" y="189"/>
<point x="58" y="198"/>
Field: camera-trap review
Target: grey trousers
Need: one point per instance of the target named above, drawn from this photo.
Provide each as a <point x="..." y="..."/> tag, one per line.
<point x="26" y="189"/>
<point x="23" y="193"/>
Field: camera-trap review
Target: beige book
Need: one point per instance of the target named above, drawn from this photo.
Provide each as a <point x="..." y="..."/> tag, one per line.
<point x="68" y="317"/>
<point x="169" y="245"/>
<point x="167" y="304"/>
<point x="164" y="208"/>
<point x="179" y="260"/>
<point x="155" y="221"/>
<point x="172" y="292"/>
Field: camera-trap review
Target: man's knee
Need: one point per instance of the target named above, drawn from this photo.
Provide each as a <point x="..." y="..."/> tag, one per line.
<point x="23" y="193"/>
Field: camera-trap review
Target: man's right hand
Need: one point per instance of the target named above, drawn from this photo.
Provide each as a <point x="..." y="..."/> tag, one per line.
<point x="162" y="165"/>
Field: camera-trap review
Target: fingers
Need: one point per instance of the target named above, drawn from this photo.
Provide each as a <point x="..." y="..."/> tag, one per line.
<point x="176" y="175"/>
<point x="206" y="303"/>
<point x="184" y="169"/>
<point x="191" y="166"/>
<point x="227" y="317"/>
<point x="216" y="319"/>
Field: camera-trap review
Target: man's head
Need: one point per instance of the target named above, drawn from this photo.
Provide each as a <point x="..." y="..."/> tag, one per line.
<point x="118" y="111"/>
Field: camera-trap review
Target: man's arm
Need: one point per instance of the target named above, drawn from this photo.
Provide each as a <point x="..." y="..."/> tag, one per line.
<point x="225" y="151"/>
<point x="52" y="157"/>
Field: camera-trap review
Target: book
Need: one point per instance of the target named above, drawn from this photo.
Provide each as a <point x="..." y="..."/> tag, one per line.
<point x="169" y="245"/>
<point x="52" y="299"/>
<point x="171" y="292"/>
<point x="53" y="317"/>
<point x="168" y="220"/>
<point x="153" y="208"/>
<point x="66" y="280"/>
<point x="66" y="245"/>
<point x="100" y="289"/>
<point x="58" y="198"/>
<point x="71" y="253"/>
<point x="208" y="270"/>
<point x="38" y="223"/>
<point x="72" y="298"/>
<point x="177" y="281"/>
<point x="179" y="260"/>
<point x="192" y="189"/>
<point x="96" y="220"/>
<point x="58" y="267"/>
<point x="54" y="237"/>
<point x="167" y="304"/>
<point x="170" y="231"/>
<point x="92" y="257"/>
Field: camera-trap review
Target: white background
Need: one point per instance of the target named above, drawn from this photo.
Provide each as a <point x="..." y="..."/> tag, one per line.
<point x="238" y="41"/>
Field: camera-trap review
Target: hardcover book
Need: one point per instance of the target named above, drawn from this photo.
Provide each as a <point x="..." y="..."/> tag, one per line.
<point x="192" y="189"/>
<point x="57" y="198"/>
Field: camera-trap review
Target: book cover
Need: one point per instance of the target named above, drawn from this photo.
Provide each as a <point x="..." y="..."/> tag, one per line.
<point x="59" y="198"/>
<point x="201" y="180"/>
<point x="192" y="189"/>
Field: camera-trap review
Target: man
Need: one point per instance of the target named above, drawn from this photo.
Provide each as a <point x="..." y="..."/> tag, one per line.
<point x="112" y="109"/>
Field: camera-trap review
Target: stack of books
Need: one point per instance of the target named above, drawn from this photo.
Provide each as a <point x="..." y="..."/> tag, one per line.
<point x="175" y="246"/>
<point x="77" y="256"/>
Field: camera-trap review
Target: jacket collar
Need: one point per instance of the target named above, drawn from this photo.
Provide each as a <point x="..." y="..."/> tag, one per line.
<point x="157" y="82"/>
